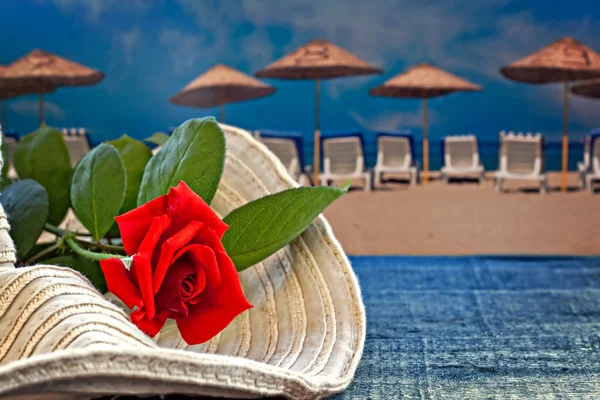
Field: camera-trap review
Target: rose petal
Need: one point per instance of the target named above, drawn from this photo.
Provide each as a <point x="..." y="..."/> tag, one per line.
<point x="211" y="315"/>
<point x="209" y="238"/>
<point x="184" y="204"/>
<point x="157" y="228"/>
<point x="134" y="225"/>
<point x="149" y="326"/>
<point x="119" y="283"/>
<point x="170" y="247"/>
<point x="203" y="258"/>
<point x="143" y="271"/>
<point x="168" y="297"/>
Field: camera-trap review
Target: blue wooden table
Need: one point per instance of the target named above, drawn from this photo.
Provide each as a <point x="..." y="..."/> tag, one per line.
<point x="479" y="328"/>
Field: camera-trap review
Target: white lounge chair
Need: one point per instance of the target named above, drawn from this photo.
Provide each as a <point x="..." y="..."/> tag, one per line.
<point x="286" y="149"/>
<point x="343" y="158"/>
<point x="77" y="142"/>
<point x="584" y="165"/>
<point x="593" y="173"/>
<point x="461" y="158"/>
<point x="521" y="158"/>
<point x="394" y="155"/>
<point x="10" y="143"/>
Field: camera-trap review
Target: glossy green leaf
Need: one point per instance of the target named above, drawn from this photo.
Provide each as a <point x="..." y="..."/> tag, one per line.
<point x="263" y="226"/>
<point x="89" y="268"/>
<point x="135" y="155"/>
<point x="195" y="154"/>
<point x="98" y="189"/>
<point x="158" y="138"/>
<point x="5" y="181"/>
<point x="44" y="157"/>
<point x="26" y="205"/>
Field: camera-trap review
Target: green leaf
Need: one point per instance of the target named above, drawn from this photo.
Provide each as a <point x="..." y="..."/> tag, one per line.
<point x="158" y="138"/>
<point x="135" y="155"/>
<point x="89" y="268"/>
<point x="195" y="154"/>
<point x="98" y="189"/>
<point x="44" y="157"/>
<point x="263" y="226"/>
<point x="26" y="205"/>
<point x="5" y="181"/>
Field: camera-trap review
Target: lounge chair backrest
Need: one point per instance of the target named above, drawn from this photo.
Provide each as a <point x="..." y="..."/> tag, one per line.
<point x="9" y="143"/>
<point x="343" y="155"/>
<point x="77" y="143"/>
<point x="287" y="152"/>
<point x="587" y="142"/>
<point x="521" y="153"/>
<point x="595" y="162"/>
<point x="461" y="151"/>
<point x="394" y="152"/>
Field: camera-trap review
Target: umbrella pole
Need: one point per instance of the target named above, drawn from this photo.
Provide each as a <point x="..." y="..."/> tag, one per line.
<point x="565" y="141"/>
<point x="317" y="148"/>
<point x="41" y="105"/>
<point x="425" y="143"/>
<point x="222" y="113"/>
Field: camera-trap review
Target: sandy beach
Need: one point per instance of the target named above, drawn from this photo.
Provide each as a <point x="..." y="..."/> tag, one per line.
<point x="467" y="218"/>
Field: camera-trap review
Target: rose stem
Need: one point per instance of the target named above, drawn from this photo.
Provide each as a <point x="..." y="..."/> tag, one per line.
<point x="62" y="233"/>
<point x="42" y="253"/>
<point x="89" y="254"/>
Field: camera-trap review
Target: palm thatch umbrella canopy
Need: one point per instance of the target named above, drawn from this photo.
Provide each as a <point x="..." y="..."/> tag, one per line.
<point x="221" y="85"/>
<point x="423" y="81"/>
<point x="44" y="72"/>
<point x="565" y="60"/>
<point x="317" y="59"/>
<point x="13" y="92"/>
<point x="590" y="88"/>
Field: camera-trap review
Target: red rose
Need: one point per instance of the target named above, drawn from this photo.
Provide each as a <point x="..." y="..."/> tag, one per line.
<point x="179" y="267"/>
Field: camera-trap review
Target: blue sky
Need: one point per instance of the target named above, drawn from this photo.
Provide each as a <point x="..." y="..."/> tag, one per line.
<point x="149" y="50"/>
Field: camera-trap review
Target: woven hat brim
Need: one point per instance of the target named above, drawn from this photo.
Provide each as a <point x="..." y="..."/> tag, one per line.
<point x="303" y="338"/>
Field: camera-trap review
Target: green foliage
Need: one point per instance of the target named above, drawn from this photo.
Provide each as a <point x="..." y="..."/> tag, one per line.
<point x="195" y="153"/>
<point x="98" y="189"/>
<point x="263" y="226"/>
<point x="43" y="156"/>
<point x="158" y="138"/>
<point x="135" y="156"/>
<point x="26" y="205"/>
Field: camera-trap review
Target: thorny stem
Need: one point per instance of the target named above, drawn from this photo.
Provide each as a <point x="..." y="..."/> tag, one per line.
<point x="89" y="254"/>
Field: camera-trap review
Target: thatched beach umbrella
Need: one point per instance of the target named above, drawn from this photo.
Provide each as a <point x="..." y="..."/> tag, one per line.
<point x="590" y="88"/>
<point x="318" y="59"/>
<point x="423" y="81"/>
<point x="563" y="61"/>
<point x="43" y="72"/>
<point x="221" y="85"/>
<point x="9" y="93"/>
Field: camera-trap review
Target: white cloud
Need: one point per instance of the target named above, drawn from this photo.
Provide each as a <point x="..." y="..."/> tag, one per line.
<point x="128" y="41"/>
<point x="390" y="121"/>
<point x="475" y="38"/>
<point x="94" y="9"/>
<point x="183" y="49"/>
<point x="31" y="108"/>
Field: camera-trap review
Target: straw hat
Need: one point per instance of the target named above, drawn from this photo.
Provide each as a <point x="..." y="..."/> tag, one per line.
<point x="589" y="88"/>
<point x="45" y="70"/>
<point x="317" y="59"/>
<point x="423" y="81"/>
<point x="564" y="60"/>
<point x="221" y="85"/>
<point x="303" y="338"/>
